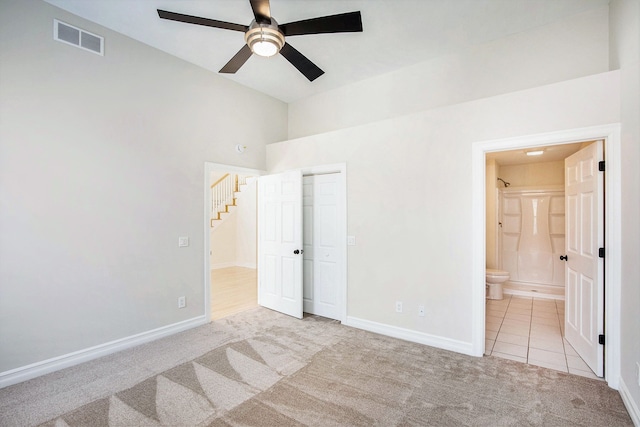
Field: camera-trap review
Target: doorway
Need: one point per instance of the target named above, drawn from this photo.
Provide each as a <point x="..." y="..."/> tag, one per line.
<point x="609" y="133"/>
<point x="230" y="236"/>
<point x="526" y="238"/>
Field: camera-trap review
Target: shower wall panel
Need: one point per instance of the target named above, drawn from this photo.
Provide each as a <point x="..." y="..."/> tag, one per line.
<point x="532" y="236"/>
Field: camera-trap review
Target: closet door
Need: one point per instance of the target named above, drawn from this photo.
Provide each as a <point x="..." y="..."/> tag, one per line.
<point x="322" y="245"/>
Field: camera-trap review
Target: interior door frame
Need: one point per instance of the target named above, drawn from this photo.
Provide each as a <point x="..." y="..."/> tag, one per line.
<point x="341" y="169"/>
<point x="611" y="135"/>
<point x="208" y="168"/>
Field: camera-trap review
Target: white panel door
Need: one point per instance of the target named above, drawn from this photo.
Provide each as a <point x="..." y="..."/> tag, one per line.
<point x="584" y="318"/>
<point x="322" y="246"/>
<point x="280" y="242"/>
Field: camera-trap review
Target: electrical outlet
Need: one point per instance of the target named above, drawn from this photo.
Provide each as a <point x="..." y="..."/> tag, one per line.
<point x="421" y="310"/>
<point x="182" y="302"/>
<point x="398" y="306"/>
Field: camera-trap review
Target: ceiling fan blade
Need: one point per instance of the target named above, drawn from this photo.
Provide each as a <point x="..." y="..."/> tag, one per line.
<point x="261" y="11"/>
<point x="173" y="16"/>
<point x="237" y="61"/>
<point x="350" y="22"/>
<point x="301" y="62"/>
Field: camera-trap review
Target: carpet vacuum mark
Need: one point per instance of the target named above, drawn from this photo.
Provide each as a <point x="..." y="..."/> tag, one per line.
<point x="319" y="373"/>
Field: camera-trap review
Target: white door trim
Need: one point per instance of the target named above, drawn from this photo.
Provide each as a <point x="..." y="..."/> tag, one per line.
<point x="611" y="134"/>
<point x="340" y="168"/>
<point x="208" y="168"/>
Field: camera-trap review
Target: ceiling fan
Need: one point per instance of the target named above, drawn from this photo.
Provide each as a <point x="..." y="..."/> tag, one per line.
<point x="265" y="37"/>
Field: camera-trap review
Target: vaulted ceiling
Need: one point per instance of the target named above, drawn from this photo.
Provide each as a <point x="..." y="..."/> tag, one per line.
<point x="397" y="34"/>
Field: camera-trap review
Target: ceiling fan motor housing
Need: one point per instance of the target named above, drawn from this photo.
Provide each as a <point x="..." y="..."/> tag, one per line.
<point x="264" y="39"/>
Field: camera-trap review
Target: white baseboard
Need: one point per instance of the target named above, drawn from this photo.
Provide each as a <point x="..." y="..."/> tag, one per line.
<point x="533" y="290"/>
<point x="247" y="265"/>
<point x="222" y="265"/>
<point x="37" y="369"/>
<point x="529" y="294"/>
<point x="629" y="403"/>
<point x="411" y="335"/>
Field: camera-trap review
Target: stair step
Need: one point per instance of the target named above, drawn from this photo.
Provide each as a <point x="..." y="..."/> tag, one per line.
<point x="221" y="217"/>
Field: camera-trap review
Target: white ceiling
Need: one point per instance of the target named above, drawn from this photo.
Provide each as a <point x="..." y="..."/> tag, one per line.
<point x="397" y="33"/>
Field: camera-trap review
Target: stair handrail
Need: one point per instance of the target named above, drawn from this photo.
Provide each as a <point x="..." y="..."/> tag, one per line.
<point x="219" y="180"/>
<point x="223" y="193"/>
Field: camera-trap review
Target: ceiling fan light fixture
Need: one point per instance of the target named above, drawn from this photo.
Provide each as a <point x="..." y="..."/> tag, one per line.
<point x="264" y="48"/>
<point x="264" y="39"/>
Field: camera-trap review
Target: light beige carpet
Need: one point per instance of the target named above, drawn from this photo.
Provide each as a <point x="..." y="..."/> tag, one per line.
<point x="279" y="371"/>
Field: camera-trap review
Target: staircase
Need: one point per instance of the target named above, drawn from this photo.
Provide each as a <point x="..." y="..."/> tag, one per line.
<point x="224" y="196"/>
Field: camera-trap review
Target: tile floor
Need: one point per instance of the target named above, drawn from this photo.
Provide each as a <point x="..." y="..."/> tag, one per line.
<point x="530" y="330"/>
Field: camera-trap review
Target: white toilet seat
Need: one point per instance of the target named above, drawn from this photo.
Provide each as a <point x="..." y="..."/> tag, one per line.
<point x="496" y="273"/>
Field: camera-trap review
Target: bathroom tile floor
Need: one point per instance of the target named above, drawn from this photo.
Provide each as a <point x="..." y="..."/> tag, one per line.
<point x="530" y="330"/>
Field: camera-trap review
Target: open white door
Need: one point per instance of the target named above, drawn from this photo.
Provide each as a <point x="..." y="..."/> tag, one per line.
<point x="584" y="268"/>
<point x="280" y="242"/>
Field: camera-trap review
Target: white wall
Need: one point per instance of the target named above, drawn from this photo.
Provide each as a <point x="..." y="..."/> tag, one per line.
<point x="224" y="242"/>
<point x="574" y="47"/>
<point x="625" y="52"/>
<point x="246" y="228"/>
<point x="410" y="196"/>
<point x="101" y="170"/>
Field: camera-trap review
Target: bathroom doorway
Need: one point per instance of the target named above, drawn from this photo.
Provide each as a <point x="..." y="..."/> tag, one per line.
<point x="525" y="210"/>
<point x="611" y="135"/>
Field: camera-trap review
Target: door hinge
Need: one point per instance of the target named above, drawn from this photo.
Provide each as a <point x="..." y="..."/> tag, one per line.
<point x="601" y="339"/>
<point x="601" y="252"/>
<point x="601" y="166"/>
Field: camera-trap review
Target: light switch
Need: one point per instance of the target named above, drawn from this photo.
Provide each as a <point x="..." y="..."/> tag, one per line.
<point x="351" y="240"/>
<point x="183" y="242"/>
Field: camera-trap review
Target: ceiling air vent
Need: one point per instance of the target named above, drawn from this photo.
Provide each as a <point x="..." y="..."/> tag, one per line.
<point x="77" y="37"/>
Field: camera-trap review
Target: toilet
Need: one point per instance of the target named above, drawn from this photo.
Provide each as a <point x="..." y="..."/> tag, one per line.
<point x="494" y="280"/>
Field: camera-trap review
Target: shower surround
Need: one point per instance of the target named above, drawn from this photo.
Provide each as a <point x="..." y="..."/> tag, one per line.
<point x="532" y="238"/>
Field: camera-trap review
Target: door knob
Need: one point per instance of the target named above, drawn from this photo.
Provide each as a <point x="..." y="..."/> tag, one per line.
<point x="564" y="257"/>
